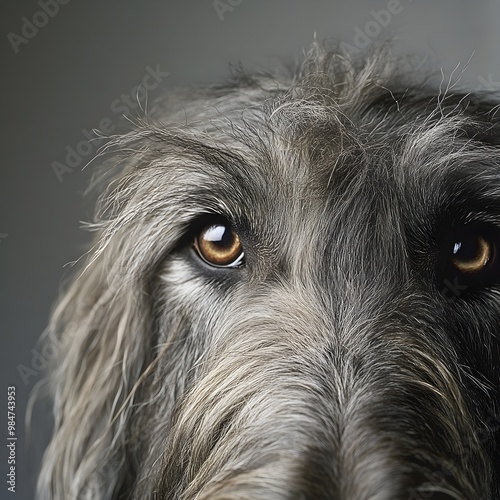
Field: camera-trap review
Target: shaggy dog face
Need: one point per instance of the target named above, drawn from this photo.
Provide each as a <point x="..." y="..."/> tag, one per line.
<point x="294" y="293"/>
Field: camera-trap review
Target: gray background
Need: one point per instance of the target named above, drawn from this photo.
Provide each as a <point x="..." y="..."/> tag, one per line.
<point x="66" y="78"/>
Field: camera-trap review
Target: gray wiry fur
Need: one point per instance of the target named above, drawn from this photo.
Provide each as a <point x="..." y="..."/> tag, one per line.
<point x="332" y="365"/>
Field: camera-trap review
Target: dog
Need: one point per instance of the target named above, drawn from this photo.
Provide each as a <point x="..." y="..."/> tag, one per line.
<point x="293" y="293"/>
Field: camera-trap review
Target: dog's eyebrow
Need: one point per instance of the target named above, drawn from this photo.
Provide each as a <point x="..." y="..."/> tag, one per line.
<point x="228" y="162"/>
<point x="232" y="180"/>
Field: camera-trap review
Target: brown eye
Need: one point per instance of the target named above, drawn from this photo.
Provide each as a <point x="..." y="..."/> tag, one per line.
<point x="472" y="253"/>
<point x="469" y="257"/>
<point x="219" y="246"/>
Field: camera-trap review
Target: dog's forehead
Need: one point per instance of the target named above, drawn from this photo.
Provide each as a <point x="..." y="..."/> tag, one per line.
<point x="376" y="143"/>
<point x="295" y="158"/>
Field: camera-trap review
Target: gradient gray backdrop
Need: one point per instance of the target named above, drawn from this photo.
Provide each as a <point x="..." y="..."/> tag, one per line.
<point x="66" y="78"/>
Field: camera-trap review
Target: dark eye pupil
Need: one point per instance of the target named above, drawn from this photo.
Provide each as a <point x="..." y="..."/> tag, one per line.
<point x="472" y="252"/>
<point x="466" y="249"/>
<point x="469" y="253"/>
<point x="220" y="236"/>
